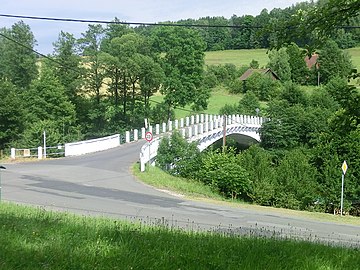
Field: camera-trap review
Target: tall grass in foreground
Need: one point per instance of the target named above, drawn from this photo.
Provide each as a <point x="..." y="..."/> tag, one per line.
<point x="37" y="239"/>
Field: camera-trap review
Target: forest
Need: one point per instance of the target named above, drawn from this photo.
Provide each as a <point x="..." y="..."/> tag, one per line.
<point x="102" y="83"/>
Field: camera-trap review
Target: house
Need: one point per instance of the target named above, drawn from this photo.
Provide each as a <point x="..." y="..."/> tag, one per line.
<point x="311" y="61"/>
<point x="267" y="72"/>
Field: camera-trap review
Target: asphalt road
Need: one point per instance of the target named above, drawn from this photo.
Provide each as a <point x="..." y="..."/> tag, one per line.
<point x="101" y="184"/>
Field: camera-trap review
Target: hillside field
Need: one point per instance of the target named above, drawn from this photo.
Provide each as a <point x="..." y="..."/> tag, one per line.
<point x="244" y="57"/>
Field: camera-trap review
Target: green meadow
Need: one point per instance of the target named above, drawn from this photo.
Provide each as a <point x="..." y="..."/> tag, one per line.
<point x="32" y="238"/>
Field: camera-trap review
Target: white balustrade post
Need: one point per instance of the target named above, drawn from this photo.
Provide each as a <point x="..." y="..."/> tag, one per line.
<point x="183" y="132"/>
<point x="136" y="135"/>
<point x="197" y="119"/>
<point x="211" y="125"/>
<point x="206" y="118"/>
<point x="187" y="121"/>
<point x="211" y="118"/>
<point x="176" y="124"/>
<point x="12" y="153"/>
<point x="206" y="127"/>
<point x="157" y="129"/>
<point x="196" y="130"/>
<point x="182" y="123"/>
<point x="229" y="120"/>
<point x="163" y="127"/>
<point x="127" y="136"/>
<point x="170" y="125"/>
<point x="202" y="118"/>
<point x="192" y="120"/>
<point x="143" y="133"/>
<point x="40" y="149"/>
<point x="201" y="128"/>
<point x="189" y="132"/>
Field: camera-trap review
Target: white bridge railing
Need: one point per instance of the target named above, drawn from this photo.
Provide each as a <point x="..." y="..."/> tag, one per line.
<point x="205" y="129"/>
<point x="192" y="127"/>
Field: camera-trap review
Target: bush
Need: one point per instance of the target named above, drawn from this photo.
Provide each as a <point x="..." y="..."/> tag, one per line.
<point x="223" y="172"/>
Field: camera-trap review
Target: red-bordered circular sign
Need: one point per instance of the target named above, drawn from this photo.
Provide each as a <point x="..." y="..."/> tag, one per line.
<point x="148" y="136"/>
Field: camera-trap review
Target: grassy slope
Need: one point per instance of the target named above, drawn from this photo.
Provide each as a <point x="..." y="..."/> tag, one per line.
<point x="355" y="57"/>
<point x="37" y="239"/>
<point x="237" y="57"/>
<point x="218" y="98"/>
<point x="243" y="57"/>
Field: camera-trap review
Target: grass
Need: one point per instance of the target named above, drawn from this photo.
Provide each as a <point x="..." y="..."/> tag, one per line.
<point x="244" y="57"/>
<point x="197" y="191"/>
<point x="355" y="56"/>
<point x="237" y="57"/>
<point x="159" y="179"/>
<point x="38" y="239"/>
<point x="219" y="97"/>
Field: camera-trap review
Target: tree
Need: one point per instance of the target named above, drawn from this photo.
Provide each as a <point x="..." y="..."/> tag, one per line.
<point x="258" y="163"/>
<point x="248" y="104"/>
<point x="18" y="61"/>
<point x="182" y="62"/>
<point x="296" y="181"/>
<point x="94" y="79"/>
<point x="46" y="102"/>
<point x="299" y="70"/>
<point x="12" y="114"/>
<point x="224" y="173"/>
<point x="262" y="86"/>
<point x="293" y="94"/>
<point x="279" y="63"/>
<point x="69" y="73"/>
<point x="333" y="62"/>
<point x="313" y="23"/>
<point x="178" y="157"/>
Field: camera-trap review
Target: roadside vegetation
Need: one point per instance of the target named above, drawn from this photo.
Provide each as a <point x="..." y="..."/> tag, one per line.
<point x="38" y="239"/>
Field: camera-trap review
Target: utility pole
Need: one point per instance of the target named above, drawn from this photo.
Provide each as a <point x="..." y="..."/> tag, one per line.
<point x="224" y="132"/>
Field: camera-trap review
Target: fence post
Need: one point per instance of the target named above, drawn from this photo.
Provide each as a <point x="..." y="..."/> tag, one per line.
<point x="127" y="136"/>
<point x="40" y="149"/>
<point x="136" y="135"/>
<point x="142" y="133"/>
<point x="12" y="153"/>
<point x="157" y="129"/>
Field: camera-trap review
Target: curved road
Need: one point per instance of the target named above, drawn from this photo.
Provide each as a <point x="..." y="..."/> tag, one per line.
<point x="101" y="184"/>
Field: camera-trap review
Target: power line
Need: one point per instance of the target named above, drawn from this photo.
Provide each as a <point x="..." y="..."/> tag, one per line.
<point x="149" y="23"/>
<point x="130" y="23"/>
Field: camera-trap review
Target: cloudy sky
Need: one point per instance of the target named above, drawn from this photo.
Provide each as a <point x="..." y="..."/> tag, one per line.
<point x="131" y="11"/>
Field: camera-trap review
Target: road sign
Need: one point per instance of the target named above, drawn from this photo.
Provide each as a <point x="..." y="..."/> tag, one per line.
<point x="344" y="167"/>
<point x="148" y="136"/>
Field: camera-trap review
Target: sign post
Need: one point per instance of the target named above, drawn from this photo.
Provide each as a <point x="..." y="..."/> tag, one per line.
<point x="1" y="168"/>
<point x="344" y="169"/>
<point x="149" y="137"/>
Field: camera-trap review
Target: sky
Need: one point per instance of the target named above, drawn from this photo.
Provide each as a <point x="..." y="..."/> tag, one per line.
<point x="149" y="11"/>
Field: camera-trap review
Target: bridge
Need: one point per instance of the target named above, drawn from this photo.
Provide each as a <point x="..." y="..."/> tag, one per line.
<point x="206" y="130"/>
<point x="203" y="128"/>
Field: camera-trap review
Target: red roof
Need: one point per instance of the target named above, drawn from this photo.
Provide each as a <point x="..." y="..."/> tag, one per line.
<point x="311" y="61"/>
<point x="251" y="71"/>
